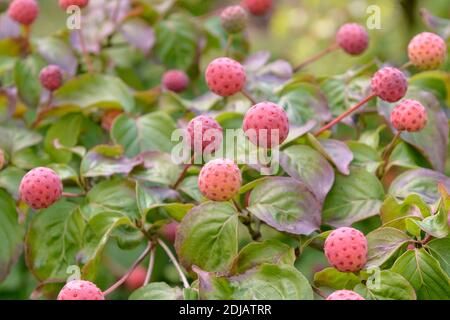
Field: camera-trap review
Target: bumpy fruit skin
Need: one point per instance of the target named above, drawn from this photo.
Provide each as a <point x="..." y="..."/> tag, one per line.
<point x="206" y="130"/>
<point x="409" y="115"/>
<point x="346" y="249"/>
<point x="427" y="51"/>
<point x="220" y="180"/>
<point x="64" y="4"/>
<point x="23" y="11"/>
<point x="225" y="76"/>
<point x="40" y="188"/>
<point x="389" y="84"/>
<point x="2" y="159"/>
<point x="352" y="38"/>
<point x="344" y="295"/>
<point x="80" y="290"/>
<point x="136" y="278"/>
<point x="109" y="117"/>
<point x="266" y="116"/>
<point x="51" y="77"/>
<point x="257" y="7"/>
<point x="175" y="80"/>
<point x="234" y="19"/>
<point x="169" y="231"/>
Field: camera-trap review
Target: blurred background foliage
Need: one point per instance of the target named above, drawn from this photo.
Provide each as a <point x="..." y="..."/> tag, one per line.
<point x="295" y="30"/>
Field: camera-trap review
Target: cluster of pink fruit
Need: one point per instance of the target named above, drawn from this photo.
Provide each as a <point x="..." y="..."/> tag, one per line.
<point x="220" y="179"/>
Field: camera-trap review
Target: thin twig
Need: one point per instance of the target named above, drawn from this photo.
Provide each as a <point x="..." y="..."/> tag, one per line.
<point x="126" y="275"/>
<point x="406" y="65"/>
<point x="249" y="97"/>
<point x="73" y="195"/>
<point x="151" y="264"/>
<point x="316" y="57"/>
<point x="319" y="292"/>
<point x="175" y="262"/>
<point x="387" y="153"/>
<point x="228" y="45"/>
<point x="183" y="173"/>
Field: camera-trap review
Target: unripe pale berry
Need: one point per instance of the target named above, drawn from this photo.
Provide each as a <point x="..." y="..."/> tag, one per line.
<point x="234" y="19"/>
<point x="220" y="180"/>
<point x="2" y="159"/>
<point x="427" y="51"/>
<point x="204" y="131"/>
<point x="352" y="38"/>
<point x="344" y="295"/>
<point x="389" y="84"/>
<point x="409" y="115"/>
<point x="169" y="231"/>
<point x="23" y="11"/>
<point x="40" y="188"/>
<point x="80" y="290"/>
<point x="175" y="80"/>
<point x="51" y="77"/>
<point x="64" y="4"/>
<point x="266" y="124"/>
<point x="136" y="278"/>
<point x="109" y="117"/>
<point x="257" y="7"/>
<point x="225" y="76"/>
<point x="346" y="249"/>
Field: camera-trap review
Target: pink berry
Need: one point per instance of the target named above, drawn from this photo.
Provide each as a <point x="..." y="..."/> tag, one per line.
<point x="23" y="11"/>
<point x="352" y="38"/>
<point x="409" y="115"/>
<point x="234" y="19"/>
<point x="389" y="84"/>
<point x="136" y="278"/>
<point x="2" y="159"/>
<point x="220" y="180"/>
<point x="40" y="188"/>
<point x="257" y="7"/>
<point x="80" y="290"/>
<point x="169" y="231"/>
<point x="64" y="4"/>
<point x="203" y="131"/>
<point x="225" y="76"/>
<point x="175" y="80"/>
<point x="109" y="117"/>
<point x="51" y="77"/>
<point x="345" y="295"/>
<point x="346" y="249"/>
<point x="266" y="124"/>
<point x="427" y="51"/>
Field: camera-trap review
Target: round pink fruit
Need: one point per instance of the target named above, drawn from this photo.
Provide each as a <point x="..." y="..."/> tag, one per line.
<point x="220" y="180"/>
<point x="80" y="290"/>
<point x="175" y="80"/>
<point x="64" y="4"/>
<point x="409" y="115"/>
<point x="344" y="295"/>
<point x="234" y="19"/>
<point x="346" y="249"/>
<point x="266" y="124"/>
<point x="352" y="38"/>
<point x="204" y="131"/>
<point x="169" y="231"/>
<point x="427" y="51"/>
<point x="40" y="188"/>
<point x="136" y="278"/>
<point x="389" y="84"/>
<point x="23" y="11"/>
<point x="225" y="76"/>
<point x="51" y="77"/>
<point x="257" y="7"/>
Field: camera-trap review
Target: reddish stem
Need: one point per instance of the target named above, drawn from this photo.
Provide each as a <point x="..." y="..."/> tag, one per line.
<point x="345" y="114"/>
<point x="249" y="97"/>
<point x="316" y="57"/>
<point x="183" y="173"/>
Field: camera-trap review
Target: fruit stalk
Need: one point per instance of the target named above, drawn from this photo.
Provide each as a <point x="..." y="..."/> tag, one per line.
<point x="175" y="262"/>
<point x="151" y="264"/>
<point x="316" y="57"/>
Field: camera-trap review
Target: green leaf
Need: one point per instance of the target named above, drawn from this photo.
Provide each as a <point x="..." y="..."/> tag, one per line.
<point x="57" y="51"/>
<point x="207" y="237"/>
<point x="26" y="77"/>
<point x="286" y="205"/>
<point x="383" y="243"/>
<point x="10" y="179"/>
<point x="394" y="213"/>
<point x="386" y="285"/>
<point x="14" y="139"/>
<point x="65" y="172"/>
<point x="54" y="239"/>
<point x="440" y="249"/>
<point x="189" y="186"/>
<point x="353" y="198"/>
<point x="157" y="291"/>
<point x="406" y="156"/>
<point x="307" y="165"/>
<point x="269" y="251"/>
<point x="95" y="164"/>
<point x="332" y="278"/>
<point x="176" y="41"/>
<point x="158" y="168"/>
<point x="90" y="91"/>
<point x="424" y="273"/>
<point x="150" y="132"/>
<point x="364" y="156"/>
<point x="437" y="224"/>
<point x="372" y="137"/>
<point x="11" y="234"/>
<point x="66" y="131"/>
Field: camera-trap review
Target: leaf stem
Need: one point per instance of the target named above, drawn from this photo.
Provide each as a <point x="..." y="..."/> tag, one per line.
<point x="387" y="153"/>
<point x="175" y="262"/>
<point x="316" y="57"/>
<point x="126" y="275"/>
<point x="345" y="114"/>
